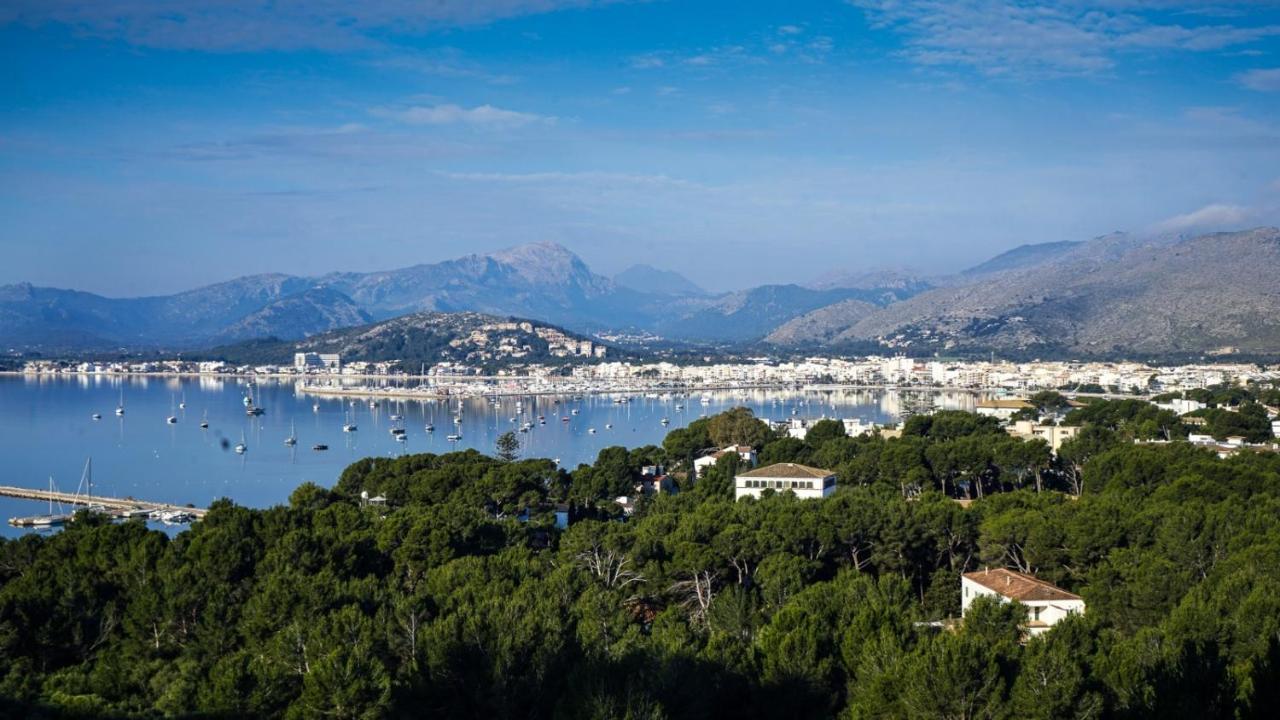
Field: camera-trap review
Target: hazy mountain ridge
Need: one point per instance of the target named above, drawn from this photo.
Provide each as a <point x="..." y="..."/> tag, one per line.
<point x="1113" y="295"/>
<point x="313" y="311"/>
<point x="539" y="280"/>
<point x="655" y="281"/>
<point x="1023" y="256"/>
<point x="748" y="314"/>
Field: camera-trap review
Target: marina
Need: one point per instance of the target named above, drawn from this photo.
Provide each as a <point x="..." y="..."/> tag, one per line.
<point x="117" y="507"/>
<point x="215" y="450"/>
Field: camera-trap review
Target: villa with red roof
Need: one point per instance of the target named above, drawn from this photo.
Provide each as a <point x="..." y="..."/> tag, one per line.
<point x="1046" y="603"/>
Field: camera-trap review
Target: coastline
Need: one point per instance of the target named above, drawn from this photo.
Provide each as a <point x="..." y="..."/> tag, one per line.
<point x="453" y="387"/>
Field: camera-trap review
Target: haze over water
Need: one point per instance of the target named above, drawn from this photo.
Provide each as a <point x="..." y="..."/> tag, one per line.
<point x="46" y="429"/>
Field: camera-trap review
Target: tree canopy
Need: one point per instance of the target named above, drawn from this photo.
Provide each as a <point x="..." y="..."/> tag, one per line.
<point x="462" y="598"/>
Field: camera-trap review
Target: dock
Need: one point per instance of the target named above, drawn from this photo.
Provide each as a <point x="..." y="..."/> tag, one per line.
<point x="123" y="504"/>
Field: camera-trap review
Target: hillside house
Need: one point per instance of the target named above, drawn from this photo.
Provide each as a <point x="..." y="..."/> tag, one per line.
<point x="806" y="482"/>
<point x="745" y="452"/>
<point x="1047" y="604"/>
<point x="1002" y="408"/>
<point x="1053" y="435"/>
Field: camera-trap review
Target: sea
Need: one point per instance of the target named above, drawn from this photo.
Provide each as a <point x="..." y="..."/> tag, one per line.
<point x="48" y="432"/>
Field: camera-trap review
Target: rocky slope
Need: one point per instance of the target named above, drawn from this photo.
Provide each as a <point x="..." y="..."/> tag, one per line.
<point x="819" y="326"/>
<point x="1115" y="295"/>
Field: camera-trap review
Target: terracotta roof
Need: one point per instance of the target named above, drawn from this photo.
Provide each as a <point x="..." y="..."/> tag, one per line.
<point x="787" y="470"/>
<point x="1017" y="586"/>
<point x="1005" y="404"/>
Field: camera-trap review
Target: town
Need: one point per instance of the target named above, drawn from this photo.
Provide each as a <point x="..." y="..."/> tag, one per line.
<point x="1082" y="377"/>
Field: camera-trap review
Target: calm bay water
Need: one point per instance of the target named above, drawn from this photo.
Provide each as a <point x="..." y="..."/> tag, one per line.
<point x="46" y="430"/>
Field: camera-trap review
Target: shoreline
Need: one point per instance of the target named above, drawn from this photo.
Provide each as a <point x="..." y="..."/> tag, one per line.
<point x="461" y="381"/>
<point x="401" y="393"/>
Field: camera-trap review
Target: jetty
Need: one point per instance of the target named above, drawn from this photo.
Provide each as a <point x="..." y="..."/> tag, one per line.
<point x="123" y="506"/>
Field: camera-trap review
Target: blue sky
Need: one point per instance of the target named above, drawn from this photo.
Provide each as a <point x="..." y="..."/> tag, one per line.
<point x="147" y="147"/>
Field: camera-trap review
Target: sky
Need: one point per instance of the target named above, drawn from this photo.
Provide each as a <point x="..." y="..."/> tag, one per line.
<point x="148" y="147"/>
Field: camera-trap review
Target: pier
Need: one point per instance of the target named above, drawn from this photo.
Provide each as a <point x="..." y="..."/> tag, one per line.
<point x="125" y="504"/>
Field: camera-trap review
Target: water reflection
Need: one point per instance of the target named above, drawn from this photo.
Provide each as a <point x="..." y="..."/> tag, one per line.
<point x="46" y="427"/>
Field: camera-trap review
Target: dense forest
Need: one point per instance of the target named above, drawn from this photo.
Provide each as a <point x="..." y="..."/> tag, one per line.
<point x="460" y="597"/>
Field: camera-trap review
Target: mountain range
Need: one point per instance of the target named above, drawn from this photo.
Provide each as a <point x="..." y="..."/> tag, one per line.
<point x="1116" y="295"/>
<point x="543" y="281"/>
<point x="1113" y="295"/>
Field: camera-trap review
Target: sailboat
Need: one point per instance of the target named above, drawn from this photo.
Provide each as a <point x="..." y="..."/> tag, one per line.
<point x="241" y="447"/>
<point x="204" y="420"/>
<point x="293" y="435"/>
<point x="120" y="407"/>
<point x="86" y="481"/>
<point x="249" y="407"/>
<point x="50" y="520"/>
<point x="349" y="426"/>
<point x="183" y="405"/>
<point x="173" y="416"/>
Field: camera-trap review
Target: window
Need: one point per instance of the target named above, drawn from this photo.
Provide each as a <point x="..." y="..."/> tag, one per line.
<point x="1035" y="613"/>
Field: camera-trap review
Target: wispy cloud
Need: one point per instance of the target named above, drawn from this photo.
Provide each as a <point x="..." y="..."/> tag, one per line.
<point x="250" y="25"/>
<point x="1210" y="217"/>
<point x="1262" y="80"/>
<point x="1033" y="37"/>
<point x="446" y="64"/>
<point x="718" y="56"/>
<point x="343" y="142"/>
<point x="594" y="178"/>
<point x="450" y="114"/>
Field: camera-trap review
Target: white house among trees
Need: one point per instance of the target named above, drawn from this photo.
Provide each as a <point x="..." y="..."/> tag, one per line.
<point x="1046" y="603"/>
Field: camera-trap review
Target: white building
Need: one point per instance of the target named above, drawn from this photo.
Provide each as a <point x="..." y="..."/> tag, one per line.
<point x="304" y="361"/>
<point x="1054" y="435"/>
<point x="745" y="452"/>
<point x="855" y="427"/>
<point x="1047" y="604"/>
<point x="806" y="482"/>
<point x="1181" y="406"/>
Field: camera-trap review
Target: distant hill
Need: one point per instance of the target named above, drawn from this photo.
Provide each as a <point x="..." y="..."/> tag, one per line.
<point x="651" y="280"/>
<point x="426" y="338"/>
<point x="309" y="312"/>
<point x="898" y="284"/>
<point x="747" y="314"/>
<point x="53" y="319"/>
<point x="820" y="326"/>
<point x="1023" y="256"/>
<point x="1112" y="296"/>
